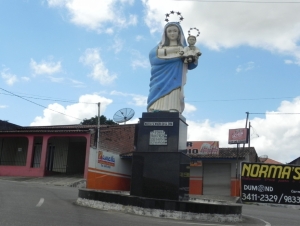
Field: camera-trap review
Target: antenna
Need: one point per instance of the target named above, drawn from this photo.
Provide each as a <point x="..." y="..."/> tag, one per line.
<point x="263" y="158"/>
<point x="123" y="115"/>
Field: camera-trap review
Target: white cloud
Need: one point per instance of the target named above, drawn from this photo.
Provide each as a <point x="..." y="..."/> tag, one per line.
<point x="143" y="63"/>
<point x="118" y="93"/>
<point x="95" y="14"/>
<point x="77" y="83"/>
<point x="8" y="77"/>
<point x="56" y="2"/>
<point x="44" y="67"/>
<point x="92" y="58"/>
<point x="138" y="60"/>
<point x="137" y="100"/>
<point x="3" y="106"/>
<point x="56" y="79"/>
<point x="289" y="62"/>
<point x="273" y="27"/>
<point x="276" y="135"/>
<point x="25" y="78"/>
<point x="118" y="45"/>
<point x="189" y="108"/>
<point x="72" y="114"/>
<point x="245" y="67"/>
<point x="139" y="38"/>
<point x="132" y="20"/>
<point x="109" y="30"/>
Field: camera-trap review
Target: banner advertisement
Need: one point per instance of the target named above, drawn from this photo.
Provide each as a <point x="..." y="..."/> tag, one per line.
<point x="270" y="183"/>
<point x="203" y="147"/>
<point x="106" y="160"/>
<point x="238" y="136"/>
<point x="196" y="163"/>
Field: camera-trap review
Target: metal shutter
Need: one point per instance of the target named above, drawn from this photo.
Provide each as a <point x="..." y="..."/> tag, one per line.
<point x="216" y="179"/>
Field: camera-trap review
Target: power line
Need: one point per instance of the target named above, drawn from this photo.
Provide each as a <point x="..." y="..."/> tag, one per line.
<point x="213" y="100"/>
<point x="245" y="99"/>
<point x="275" y="113"/>
<point x="40" y="104"/>
<point x="60" y="100"/>
<point x="239" y="1"/>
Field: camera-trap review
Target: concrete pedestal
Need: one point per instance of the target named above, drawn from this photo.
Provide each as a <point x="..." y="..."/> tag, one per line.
<point x="162" y="132"/>
<point x="159" y="168"/>
<point x="160" y="175"/>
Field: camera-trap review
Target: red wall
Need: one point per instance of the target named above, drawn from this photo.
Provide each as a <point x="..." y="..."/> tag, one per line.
<point x="104" y="180"/>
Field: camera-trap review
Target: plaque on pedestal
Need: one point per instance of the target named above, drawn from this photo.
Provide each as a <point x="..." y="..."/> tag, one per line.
<point x="162" y="132"/>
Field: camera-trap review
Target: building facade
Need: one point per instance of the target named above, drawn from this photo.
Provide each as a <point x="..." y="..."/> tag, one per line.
<point x="46" y="150"/>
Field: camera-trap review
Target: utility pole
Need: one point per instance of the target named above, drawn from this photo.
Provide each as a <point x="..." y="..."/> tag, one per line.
<point x="98" y="137"/>
<point x="249" y="135"/>
<point x="246" y="128"/>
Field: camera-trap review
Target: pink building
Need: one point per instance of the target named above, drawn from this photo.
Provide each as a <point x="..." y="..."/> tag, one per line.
<point x="41" y="151"/>
<point x="38" y="151"/>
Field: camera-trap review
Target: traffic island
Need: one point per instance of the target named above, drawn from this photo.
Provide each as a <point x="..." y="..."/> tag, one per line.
<point x="182" y="210"/>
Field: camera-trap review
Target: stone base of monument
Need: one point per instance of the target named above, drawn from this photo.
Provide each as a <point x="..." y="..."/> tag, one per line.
<point x="160" y="175"/>
<point x="159" y="169"/>
<point x="183" y="210"/>
<point x="162" y="132"/>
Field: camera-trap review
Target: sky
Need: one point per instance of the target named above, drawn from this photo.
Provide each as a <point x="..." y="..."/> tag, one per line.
<point x="59" y="58"/>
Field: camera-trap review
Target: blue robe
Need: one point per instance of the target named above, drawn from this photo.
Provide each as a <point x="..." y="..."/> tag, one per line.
<point x="166" y="75"/>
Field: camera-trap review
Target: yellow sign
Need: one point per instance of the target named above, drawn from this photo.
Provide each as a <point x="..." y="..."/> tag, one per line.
<point x="270" y="171"/>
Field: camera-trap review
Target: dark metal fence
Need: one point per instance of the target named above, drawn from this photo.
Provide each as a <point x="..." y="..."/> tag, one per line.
<point x="13" y="151"/>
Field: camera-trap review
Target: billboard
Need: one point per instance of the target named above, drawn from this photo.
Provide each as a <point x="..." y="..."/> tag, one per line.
<point x="238" y="136"/>
<point x="203" y="147"/>
<point x="270" y="183"/>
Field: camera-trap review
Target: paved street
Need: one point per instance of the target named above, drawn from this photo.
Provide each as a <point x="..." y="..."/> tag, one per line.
<point x="23" y="203"/>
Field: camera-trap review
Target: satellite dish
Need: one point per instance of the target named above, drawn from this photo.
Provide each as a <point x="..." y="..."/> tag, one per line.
<point x="123" y="115"/>
<point x="263" y="158"/>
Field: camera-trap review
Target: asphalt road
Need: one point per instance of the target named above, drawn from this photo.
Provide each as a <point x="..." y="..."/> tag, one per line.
<point x="31" y="204"/>
<point x="275" y="216"/>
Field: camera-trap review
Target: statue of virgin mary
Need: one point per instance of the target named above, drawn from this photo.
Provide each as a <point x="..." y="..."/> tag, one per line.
<point x="168" y="72"/>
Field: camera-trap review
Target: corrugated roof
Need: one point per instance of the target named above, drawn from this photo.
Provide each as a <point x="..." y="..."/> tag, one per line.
<point x="5" y="125"/>
<point x="224" y="153"/>
<point x="44" y="131"/>
<point x="227" y="153"/>
<point x="77" y="128"/>
<point x="51" y="129"/>
<point x="272" y="161"/>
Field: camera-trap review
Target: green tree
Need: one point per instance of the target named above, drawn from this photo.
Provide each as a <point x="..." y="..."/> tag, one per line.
<point x="94" y="121"/>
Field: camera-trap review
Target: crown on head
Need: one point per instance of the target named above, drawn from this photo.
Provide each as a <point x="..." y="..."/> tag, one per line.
<point x="173" y="12"/>
<point x="189" y="32"/>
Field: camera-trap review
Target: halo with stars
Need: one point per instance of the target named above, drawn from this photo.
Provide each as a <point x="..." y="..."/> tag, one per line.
<point x="194" y="28"/>
<point x="173" y="12"/>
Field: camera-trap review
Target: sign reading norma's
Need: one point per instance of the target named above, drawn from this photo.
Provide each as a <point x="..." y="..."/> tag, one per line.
<point x="270" y="183"/>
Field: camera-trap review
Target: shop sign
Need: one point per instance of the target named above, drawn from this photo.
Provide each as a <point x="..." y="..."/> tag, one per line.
<point x="270" y="183"/>
<point x="196" y="163"/>
<point x="238" y="136"/>
<point x="106" y="159"/>
<point x="203" y="147"/>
